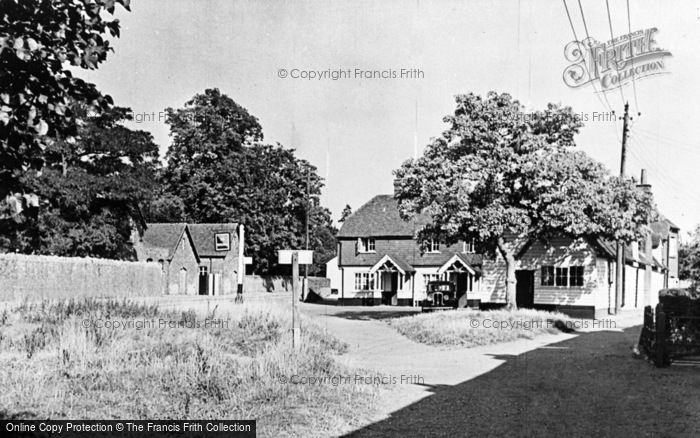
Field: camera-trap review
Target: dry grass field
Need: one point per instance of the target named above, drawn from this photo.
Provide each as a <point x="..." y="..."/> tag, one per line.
<point x="467" y="328"/>
<point x="102" y="360"/>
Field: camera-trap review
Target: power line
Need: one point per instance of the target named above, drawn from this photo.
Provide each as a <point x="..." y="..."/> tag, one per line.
<point x="588" y="37"/>
<point x="634" y="83"/>
<point x="612" y="37"/>
<point x="597" y="94"/>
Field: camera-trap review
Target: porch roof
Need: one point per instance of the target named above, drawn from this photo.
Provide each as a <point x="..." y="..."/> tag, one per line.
<point x="461" y="262"/>
<point x="400" y="265"/>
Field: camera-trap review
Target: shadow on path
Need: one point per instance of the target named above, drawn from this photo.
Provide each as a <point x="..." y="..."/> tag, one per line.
<point x="589" y="385"/>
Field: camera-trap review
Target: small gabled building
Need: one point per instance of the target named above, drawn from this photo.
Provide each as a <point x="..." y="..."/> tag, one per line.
<point x="217" y="248"/>
<point x="381" y="262"/>
<point x="171" y="246"/>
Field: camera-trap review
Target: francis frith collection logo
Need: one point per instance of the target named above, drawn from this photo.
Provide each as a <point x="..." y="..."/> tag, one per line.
<point x="614" y="63"/>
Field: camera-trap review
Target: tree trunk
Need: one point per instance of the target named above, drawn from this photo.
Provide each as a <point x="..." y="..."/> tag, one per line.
<point x="509" y="258"/>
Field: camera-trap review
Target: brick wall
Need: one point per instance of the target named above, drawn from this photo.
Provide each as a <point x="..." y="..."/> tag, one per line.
<point x="39" y="277"/>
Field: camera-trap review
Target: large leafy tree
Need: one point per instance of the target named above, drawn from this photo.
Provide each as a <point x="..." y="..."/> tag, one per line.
<point x="220" y="172"/>
<point x="91" y="188"/>
<point x="501" y="176"/>
<point x="39" y="40"/>
<point x="689" y="258"/>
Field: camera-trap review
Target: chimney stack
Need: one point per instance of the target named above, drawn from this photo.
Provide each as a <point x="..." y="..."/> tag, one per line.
<point x="643" y="184"/>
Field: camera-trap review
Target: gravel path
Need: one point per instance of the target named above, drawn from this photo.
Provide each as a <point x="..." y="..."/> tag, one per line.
<point x="567" y="384"/>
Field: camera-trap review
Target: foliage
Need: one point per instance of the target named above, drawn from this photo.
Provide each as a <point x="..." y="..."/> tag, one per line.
<point x="498" y="170"/>
<point x="347" y="211"/>
<point x="689" y="258"/>
<point x="92" y="187"/>
<point x="221" y="173"/>
<point x="38" y="41"/>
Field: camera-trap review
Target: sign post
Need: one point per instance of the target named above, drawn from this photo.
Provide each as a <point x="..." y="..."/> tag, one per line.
<point x="241" y="265"/>
<point x="295" y="258"/>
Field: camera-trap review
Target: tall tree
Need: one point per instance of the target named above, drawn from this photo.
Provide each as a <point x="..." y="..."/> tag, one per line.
<point x="689" y="258"/>
<point x="39" y="39"/>
<point x="221" y="173"/>
<point x="498" y="172"/>
<point x="91" y="188"/>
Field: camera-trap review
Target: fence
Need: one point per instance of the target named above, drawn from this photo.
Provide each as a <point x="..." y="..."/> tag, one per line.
<point x="671" y="333"/>
<point x="39" y="277"/>
<point x="258" y="284"/>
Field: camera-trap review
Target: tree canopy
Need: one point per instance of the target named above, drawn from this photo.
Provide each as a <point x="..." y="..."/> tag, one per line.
<point x="38" y="41"/>
<point x="91" y="188"/>
<point x="689" y="258"/>
<point x="220" y="172"/>
<point x="499" y="171"/>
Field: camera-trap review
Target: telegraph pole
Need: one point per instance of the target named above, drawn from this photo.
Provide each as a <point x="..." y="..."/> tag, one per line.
<point x="620" y="266"/>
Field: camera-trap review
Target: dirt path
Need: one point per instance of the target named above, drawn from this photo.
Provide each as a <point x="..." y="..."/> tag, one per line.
<point x="578" y="385"/>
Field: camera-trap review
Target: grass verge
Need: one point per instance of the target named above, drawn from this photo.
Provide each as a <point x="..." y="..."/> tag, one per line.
<point x="124" y="364"/>
<point x="467" y="328"/>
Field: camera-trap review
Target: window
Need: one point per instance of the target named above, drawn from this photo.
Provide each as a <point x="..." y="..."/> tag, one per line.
<point x="364" y="281"/>
<point x="433" y="246"/>
<point x="547" y="274"/>
<point x="571" y="276"/>
<point x="223" y="241"/>
<point x="203" y="270"/>
<point x="365" y="244"/>
<point x="561" y="276"/>
<point x="468" y="247"/>
<point x="576" y="276"/>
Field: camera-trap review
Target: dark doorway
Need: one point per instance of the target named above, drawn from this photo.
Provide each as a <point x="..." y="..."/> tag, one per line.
<point x="390" y="293"/>
<point x="462" y="286"/>
<point x="525" y="289"/>
<point x="203" y="281"/>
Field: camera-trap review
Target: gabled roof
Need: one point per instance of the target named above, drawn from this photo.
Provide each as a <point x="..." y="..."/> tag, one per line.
<point x="165" y="237"/>
<point x="459" y="260"/>
<point x="401" y="265"/>
<point x="610" y="250"/>
<point x="380" y="217"/>
<point x="203" y="236"/>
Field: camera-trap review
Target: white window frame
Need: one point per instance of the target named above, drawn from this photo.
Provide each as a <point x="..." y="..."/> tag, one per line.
<point x="433" y="246"/>
<point x="366" y="245"/>
<point x="364" y="281"/>
<point x="468" y="247"/>
<point x="225" y="241"/>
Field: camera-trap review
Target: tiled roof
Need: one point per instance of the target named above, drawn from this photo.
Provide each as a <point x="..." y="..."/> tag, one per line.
<point x="396" y="261"/>
<point x="380" y="217"/>
<point x="164" y="237"/>
<point x="610" y="249"/>
<point x="204" y="240"/>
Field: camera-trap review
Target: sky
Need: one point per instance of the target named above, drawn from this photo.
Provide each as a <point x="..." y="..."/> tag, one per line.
<point x="356" y="130"/>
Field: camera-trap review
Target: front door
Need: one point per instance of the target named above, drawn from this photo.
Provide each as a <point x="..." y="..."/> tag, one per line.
<point x="462" y="285"/>
<point x="390" y="292"/>
<point x="525" y="289"/>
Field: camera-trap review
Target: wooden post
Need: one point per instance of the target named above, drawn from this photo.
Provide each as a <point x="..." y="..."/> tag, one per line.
<point x="241" y="264"/>
<point x="296" y="332"/>
<point x="660" y="357"/>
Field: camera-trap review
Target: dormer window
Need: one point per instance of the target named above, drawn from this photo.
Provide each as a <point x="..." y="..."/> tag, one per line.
<point x="468" y="247"/>
<point x="433" y="246"/>
<point x="365" y="244"/>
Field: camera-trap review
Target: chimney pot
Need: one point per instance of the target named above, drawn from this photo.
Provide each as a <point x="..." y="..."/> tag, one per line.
<point x="643" y="178"/>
